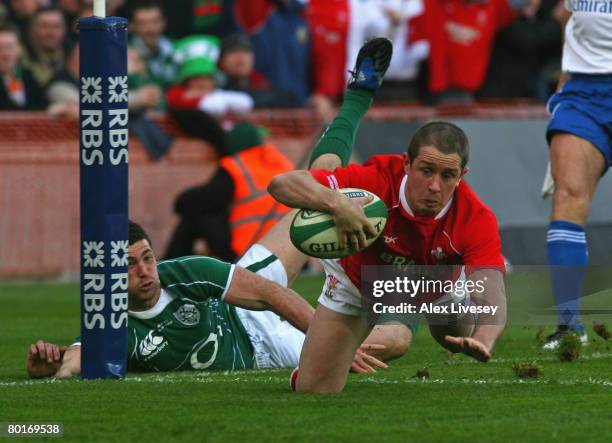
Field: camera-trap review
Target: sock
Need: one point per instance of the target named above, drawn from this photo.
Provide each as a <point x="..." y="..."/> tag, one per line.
<point x="568" y="257"/>
<point x="339" y="137"/>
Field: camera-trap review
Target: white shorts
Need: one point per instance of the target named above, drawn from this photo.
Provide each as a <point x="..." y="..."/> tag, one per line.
<point x="276" y="342"/>
<point x="339" y="293"/>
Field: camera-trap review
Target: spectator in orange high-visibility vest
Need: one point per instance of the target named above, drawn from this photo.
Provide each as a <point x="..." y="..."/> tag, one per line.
<point x="233" y="210"/>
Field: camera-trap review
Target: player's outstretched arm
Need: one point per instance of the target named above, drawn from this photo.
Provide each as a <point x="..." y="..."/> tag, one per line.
<point x="48" y="360"/>
<point x="364" y="362"/>
<point x="44" y="359"/>
<point x="71" y="363"/>
<point x="468" y="346"/>
<point x="250" y="291"/>
<point x="488" y="327"/>
<point x="298" y="189"/>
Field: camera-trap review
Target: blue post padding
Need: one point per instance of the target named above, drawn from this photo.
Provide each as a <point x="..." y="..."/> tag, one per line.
<point x="104" y="196"/>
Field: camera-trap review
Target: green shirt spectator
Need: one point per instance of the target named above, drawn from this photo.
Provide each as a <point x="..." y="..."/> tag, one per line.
<point x="147" y="26"/>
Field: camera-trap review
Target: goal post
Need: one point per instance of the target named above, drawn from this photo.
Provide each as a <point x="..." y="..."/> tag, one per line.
<point x="103" y="157"/>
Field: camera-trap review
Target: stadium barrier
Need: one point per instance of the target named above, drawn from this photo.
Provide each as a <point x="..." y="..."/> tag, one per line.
<point x="39" y="177"/>
<point x="39" y="187"/>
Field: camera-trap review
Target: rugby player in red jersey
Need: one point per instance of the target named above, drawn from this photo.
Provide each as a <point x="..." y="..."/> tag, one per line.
<point x="434" y="218"/>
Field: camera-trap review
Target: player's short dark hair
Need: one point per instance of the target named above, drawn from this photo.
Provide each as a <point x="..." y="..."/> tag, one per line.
<point x="445" y="137"/>
<point x="9" y="28"/>
<point x="46" y="10"/>
<point x="144" y="5"/>
<point x="136" y="233"/>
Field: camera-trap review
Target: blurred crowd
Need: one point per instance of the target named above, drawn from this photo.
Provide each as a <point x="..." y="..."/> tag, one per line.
<point x="222" y="56"/>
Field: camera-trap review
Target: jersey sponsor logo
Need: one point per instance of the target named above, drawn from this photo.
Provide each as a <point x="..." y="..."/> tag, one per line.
<point x="151" y="345"/>
<point x="591" y="6"/>
<point x="188" y="315"/>
<point x="210" y="352"/>
<point x="395" y="260"/>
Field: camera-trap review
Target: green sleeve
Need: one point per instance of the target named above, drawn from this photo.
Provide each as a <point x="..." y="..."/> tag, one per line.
<point x="195" y="277"/>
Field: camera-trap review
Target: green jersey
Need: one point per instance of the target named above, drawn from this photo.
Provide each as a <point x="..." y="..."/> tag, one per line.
<point x="161" y="64"/>
<point x="190" y="328"/>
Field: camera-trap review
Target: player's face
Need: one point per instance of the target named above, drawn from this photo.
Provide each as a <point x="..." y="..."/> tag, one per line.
<point x="432" y="179"/>
<point x="200" y="85"/>
<point x="9" y="52"/>
<point x="238" y="63"/>
<point x="149" y="25"/>
<point x="49" y="30"/>
<point x="143" y="280"/>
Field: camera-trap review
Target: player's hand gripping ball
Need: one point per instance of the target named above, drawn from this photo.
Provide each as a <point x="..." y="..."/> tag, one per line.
<point x="314" y="232"/>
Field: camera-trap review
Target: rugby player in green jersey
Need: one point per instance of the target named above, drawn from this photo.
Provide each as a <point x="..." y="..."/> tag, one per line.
<point x="199" y="313"/>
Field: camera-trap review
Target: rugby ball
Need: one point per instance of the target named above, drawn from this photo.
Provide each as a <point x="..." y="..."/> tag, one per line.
<point x="314" y="232"/>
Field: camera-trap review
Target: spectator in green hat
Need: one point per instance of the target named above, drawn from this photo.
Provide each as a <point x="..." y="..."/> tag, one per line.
<point x="197" y="80"/>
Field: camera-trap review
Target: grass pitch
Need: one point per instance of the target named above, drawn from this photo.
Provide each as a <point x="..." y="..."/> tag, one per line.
<point x="462" y="400"/>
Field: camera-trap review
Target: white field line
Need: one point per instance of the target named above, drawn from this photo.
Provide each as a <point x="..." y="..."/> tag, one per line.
<point x="251" y="376"/>
<point x="551" y="357"/>
<point x="169" y="378"/>
<point x="246" y="378"/>
<point x="465" y="381"/>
